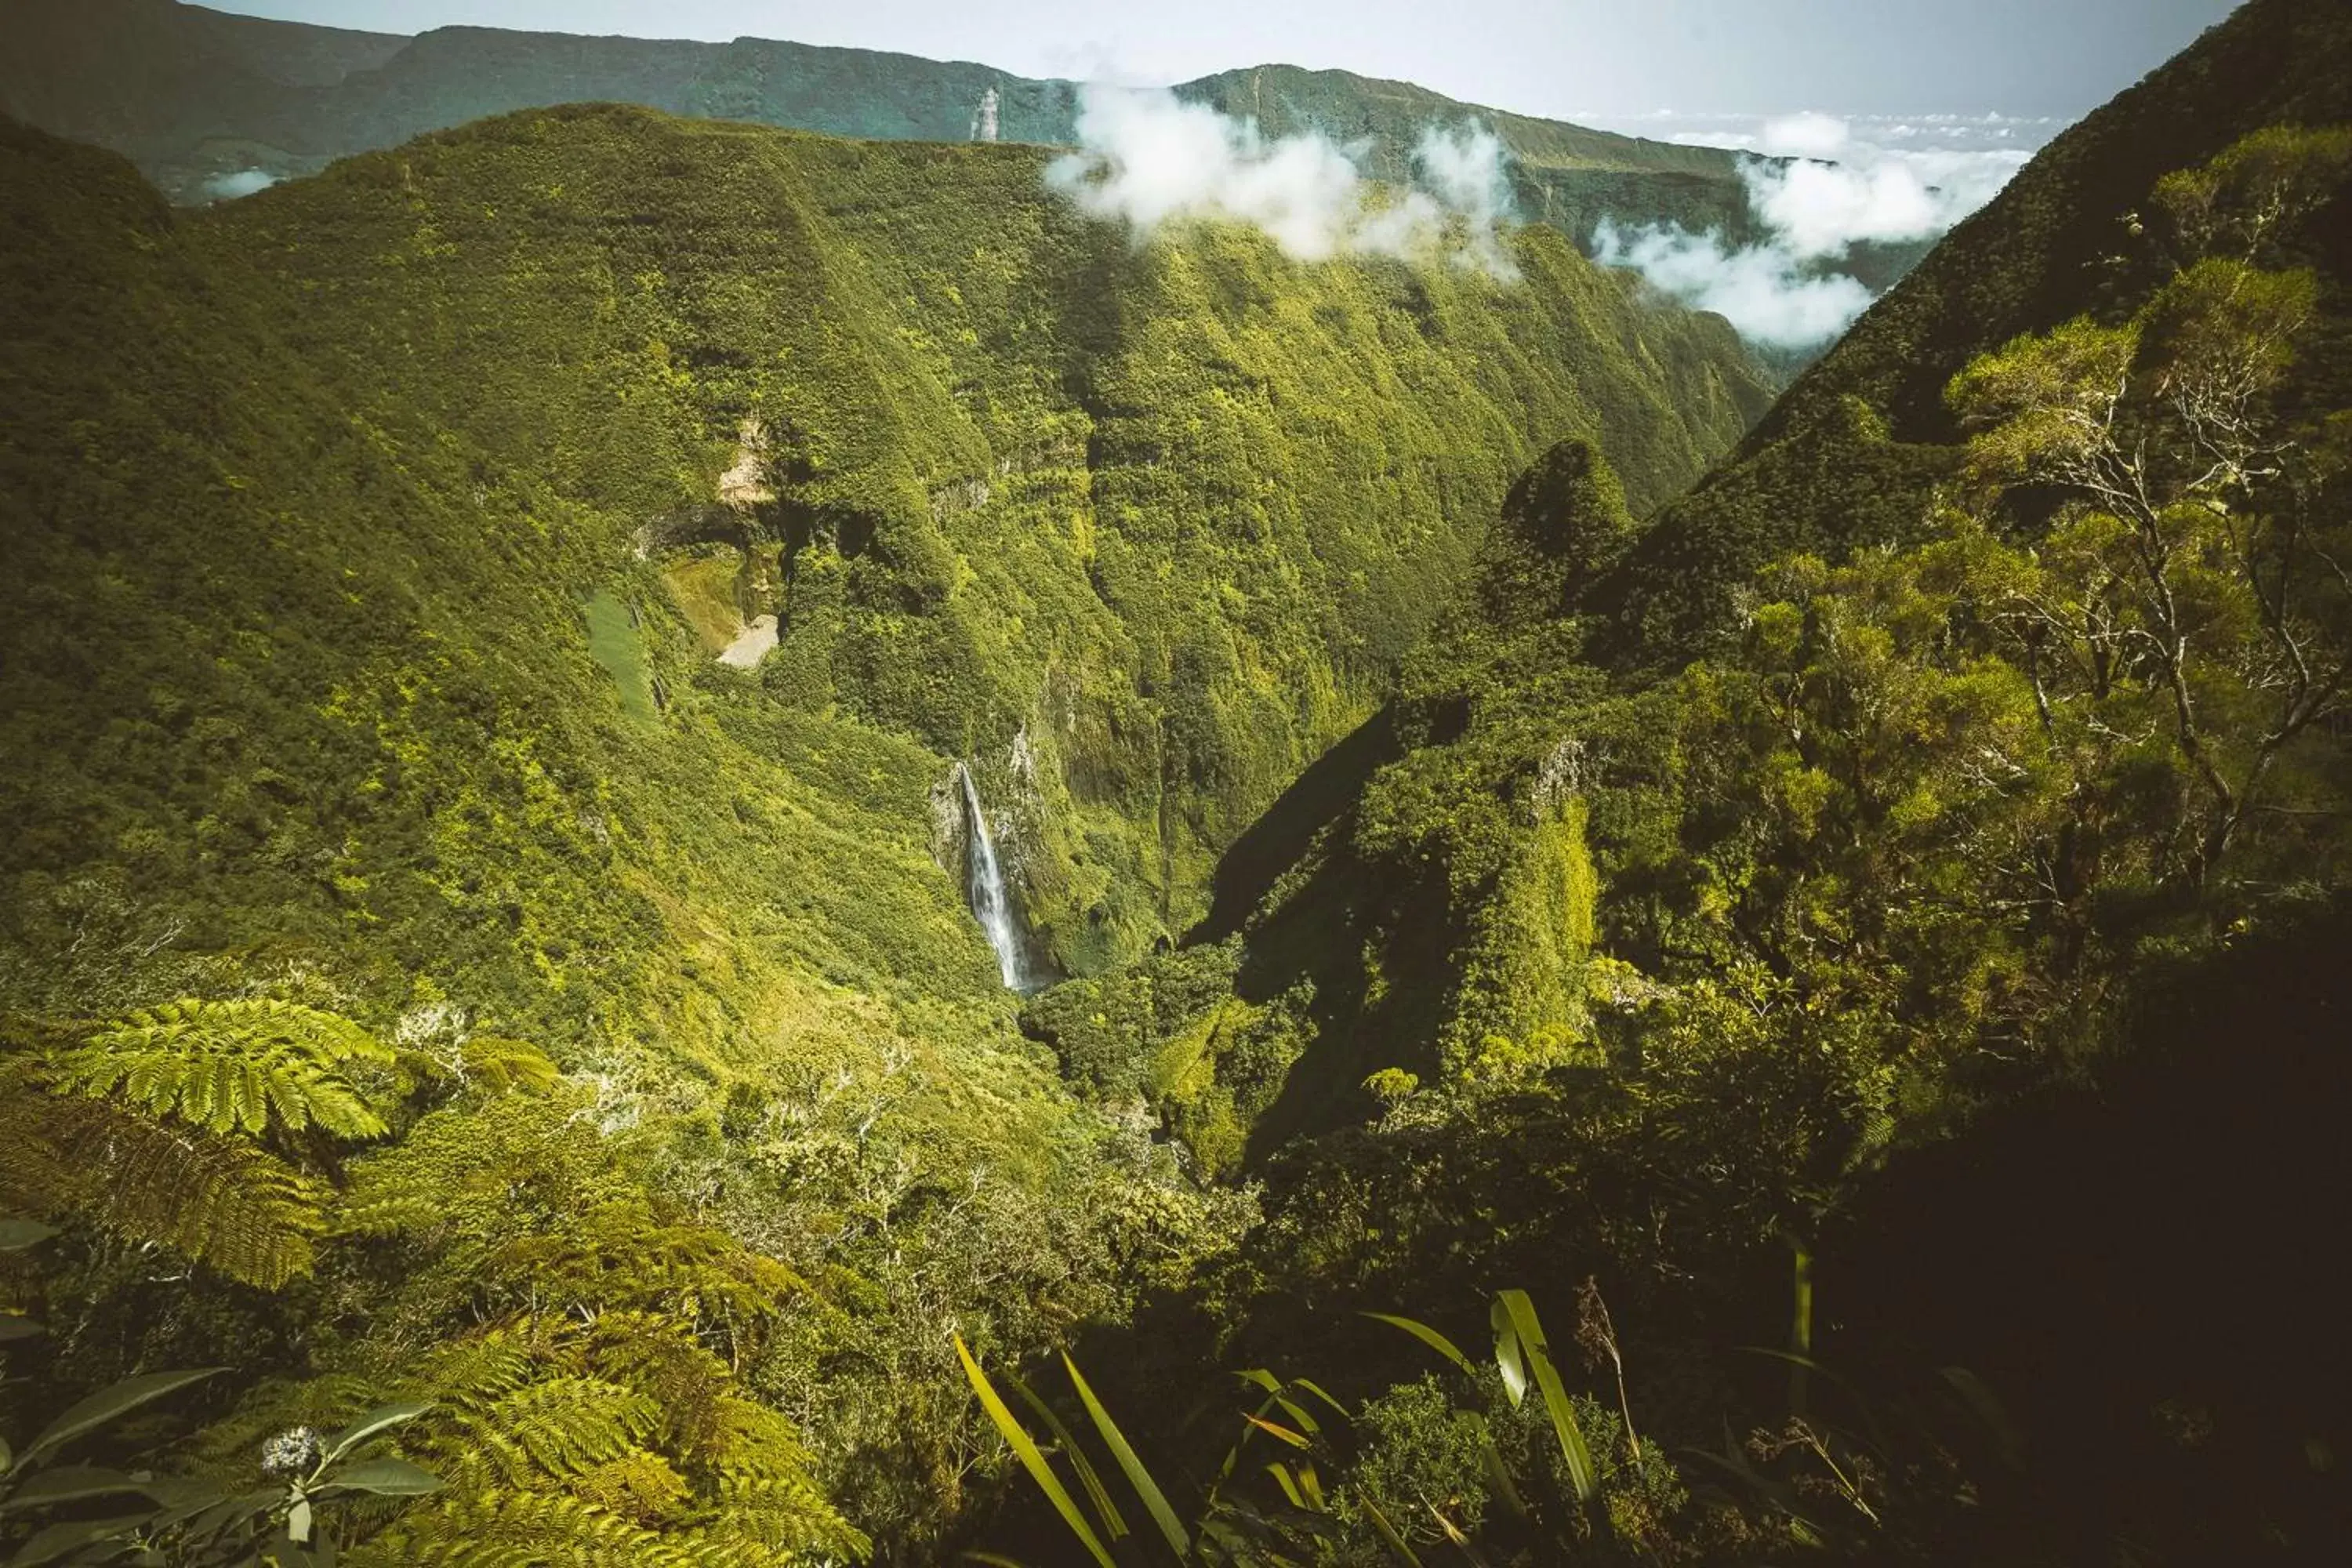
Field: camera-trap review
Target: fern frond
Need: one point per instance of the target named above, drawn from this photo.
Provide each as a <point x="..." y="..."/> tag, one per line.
<point x="231" y="1065"/>
<point x="764" y="1494"/>
<point x="563" y="1426"/>
<point x="638" y="1485"/>
<point x="756" y="1444"/>
<point x="620" y="1255"/>
<point x="492" y="1527"/>
<point x="659" y="1356"/>
<point x="477" y="1172"/>
<point x="213" y="1200"/>
<point x="474" y="1373"/>
<point x="788" y="1515"/>
<point x="502" y="1065"/>
<point x="491" y="1063"/>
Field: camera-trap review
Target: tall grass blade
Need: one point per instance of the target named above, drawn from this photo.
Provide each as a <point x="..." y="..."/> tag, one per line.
<point x="1498" y="1474"/>
<point x="1114" y="1522"/>
<point x="1284" y="1433"/>
<point x="1427" y="1336"/>
<point x="1278" y="1392"/>
<point x="1026" y="1448"/>
<point x="2009" y="1442"/>
<point x="1453" y="1533"/>
<point x="1514" y="1311"/>
<point x="1801" y="1324"/>
<point x="1388" y="1533"/>
<point x="1138" y="1476"/>
<point x="1317" y="1389"/>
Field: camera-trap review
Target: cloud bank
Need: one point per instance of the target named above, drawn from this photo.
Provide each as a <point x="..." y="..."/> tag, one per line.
<point x="244" y="183"/>
<point x="1147" y="158"/>
<point x="1765" y="291"/>
<point x="1786" y="292"/>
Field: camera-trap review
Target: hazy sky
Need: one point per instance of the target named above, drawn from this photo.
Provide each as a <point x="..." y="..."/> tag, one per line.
<point x="1557" y="58"/>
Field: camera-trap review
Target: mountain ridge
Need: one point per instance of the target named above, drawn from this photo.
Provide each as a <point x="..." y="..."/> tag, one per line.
<point x="283" y="115"/>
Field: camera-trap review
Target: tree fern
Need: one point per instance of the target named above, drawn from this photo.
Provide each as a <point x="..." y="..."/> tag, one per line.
<point x="492" y="1528"/>
<point x="628" y="1414"/>
<point x="621" y="1254"/>
<point x="220" y="1201"/>
<point x="492" y="1063"/>
<point x="765" y="1493"/>
<point x="661" y="1355"/>
<point x="638" y="1485"/>
<point x="561" y="1427"/>
<point x="472" y="1373"/>
<point x="231" y="1065"/>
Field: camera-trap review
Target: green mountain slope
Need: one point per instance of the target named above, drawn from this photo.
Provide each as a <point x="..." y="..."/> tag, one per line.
<point x="1966" y="756"/>
<point x="190" y="94"/>
<point x="1139" y="531"/>
<point x="302" y="695"/>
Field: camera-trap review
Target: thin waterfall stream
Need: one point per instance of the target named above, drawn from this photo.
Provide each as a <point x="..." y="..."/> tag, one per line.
<point x="991" y="901"/>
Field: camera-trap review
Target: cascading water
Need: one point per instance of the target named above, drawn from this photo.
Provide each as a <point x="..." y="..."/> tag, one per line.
<point x="992" y="902"/>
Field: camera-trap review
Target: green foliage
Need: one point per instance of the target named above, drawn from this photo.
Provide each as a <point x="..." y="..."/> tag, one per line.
<point x="599" y="1411"/>
<point x="1472" y="1460"/>
<point x="85" y="1117"/>
<point x="1640" y="951"/>
<point x="231" y="1065"/>
<point x="198" y="1523"/>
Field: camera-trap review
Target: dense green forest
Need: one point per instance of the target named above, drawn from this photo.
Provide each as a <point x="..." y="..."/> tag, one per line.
<point x="1621" y="976"/>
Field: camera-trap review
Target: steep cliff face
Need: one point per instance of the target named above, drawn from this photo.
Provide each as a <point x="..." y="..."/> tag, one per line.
<point x="1170" y="512"/>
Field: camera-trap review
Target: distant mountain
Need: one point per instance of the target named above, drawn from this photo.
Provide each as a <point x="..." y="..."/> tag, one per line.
<point x="192" y="95"/>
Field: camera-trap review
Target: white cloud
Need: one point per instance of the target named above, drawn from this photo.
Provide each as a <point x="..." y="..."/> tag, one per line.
<point x="1871" y="192"/>
<point x="1806" y="135"/>
<point x="244" y="183"/>
<point x="1147" y="158"/>
<point x="1814" y="211"/>
<point x="1765" y="291"/>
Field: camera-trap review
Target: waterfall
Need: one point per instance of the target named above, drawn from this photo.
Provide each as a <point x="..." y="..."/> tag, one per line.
<point x="992" y="902"/>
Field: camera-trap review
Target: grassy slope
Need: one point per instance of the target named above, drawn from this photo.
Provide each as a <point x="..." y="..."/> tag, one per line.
<point x="1167" y="514"/>
<point x="1848" y="454"/>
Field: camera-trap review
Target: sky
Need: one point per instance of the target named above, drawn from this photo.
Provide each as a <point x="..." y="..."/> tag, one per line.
<point x="1597" y="60"/>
